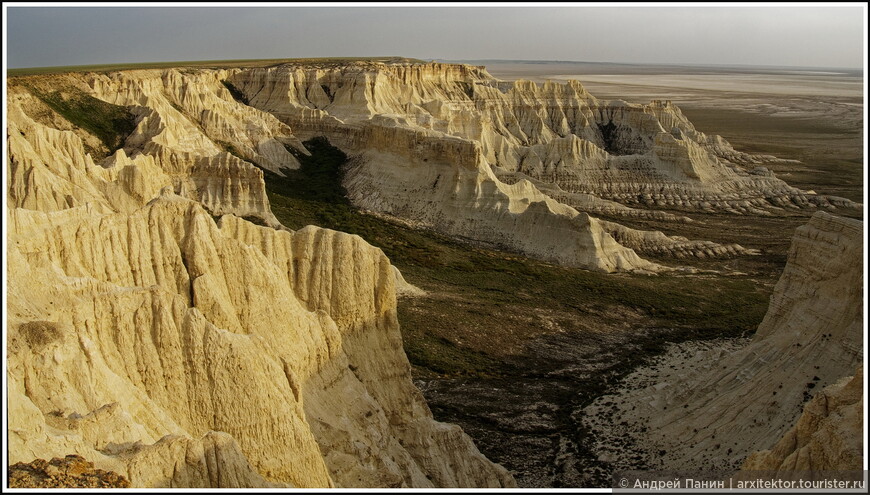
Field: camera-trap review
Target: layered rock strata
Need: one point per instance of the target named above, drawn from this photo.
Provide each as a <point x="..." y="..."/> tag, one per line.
<point x="649" y="154"/>
<point x="159" y="335"/>
<point x="190" y="134"/>
<point x="715" y="409"/>
<point x="431" y="142"/>
<point x="206" y="143"/>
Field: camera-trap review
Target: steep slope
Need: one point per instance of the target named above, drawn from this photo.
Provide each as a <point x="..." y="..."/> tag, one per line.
<point x="452" y="148"/>
<point x="157" y="334"/>
<point x="49" y="169"/>
<point x="713" y="410"/>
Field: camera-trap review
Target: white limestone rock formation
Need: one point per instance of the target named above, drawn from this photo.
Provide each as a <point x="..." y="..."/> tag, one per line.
<point x="157" y="334"/>
<point x="165" y="149"/>
<point x="644" y="154"/>
<point x="587" y="202"/>
<point x="431" y="140"/>
<point x="193" y="111"/>
<point x="715" y="409"/>
<point x="657" y="243"/>
<point x="456" y="195"/>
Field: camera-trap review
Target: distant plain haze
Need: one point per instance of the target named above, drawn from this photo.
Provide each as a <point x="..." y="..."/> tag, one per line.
<point x="800" y="36"/>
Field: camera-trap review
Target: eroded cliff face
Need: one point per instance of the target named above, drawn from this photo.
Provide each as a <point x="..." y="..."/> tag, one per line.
<point x="453" y="148"/>
<point x="156" y="333"/>
<point x="721" y="406"/>
<point x="189" y="134"/>
<point x="442" y="145"/>
<point x="499" y="164"/>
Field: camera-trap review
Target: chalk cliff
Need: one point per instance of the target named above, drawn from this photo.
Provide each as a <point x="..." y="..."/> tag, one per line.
<point x="50" y="169"/>
<point x="717" y="407"/>
<point x="453" y="148"/>
<point x="162" y="337"/>
<point x="443" y="145"/>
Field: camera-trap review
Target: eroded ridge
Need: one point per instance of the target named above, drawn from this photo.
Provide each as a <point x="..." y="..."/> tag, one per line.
<point x="156" y="333"/>
<point x="453" y="148"/>
<point x="643" y="154"/>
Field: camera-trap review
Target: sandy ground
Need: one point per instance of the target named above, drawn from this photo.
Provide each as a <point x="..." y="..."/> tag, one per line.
<point x="616" y="422"/>
<point x="786" y="84"/>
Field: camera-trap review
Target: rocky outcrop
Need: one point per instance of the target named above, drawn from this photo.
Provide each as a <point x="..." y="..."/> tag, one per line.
<point x="440" y="169"/>
<point x="183" y="327"/>
<point x="559" y="133"/>
<point x="715" y="408"/>
<point x="159" y="335"/>
<point x="72" y="471"/>
<point x="432" y="142"/>
<point x="190" y="134"/>
<point x="588" y="202"/>
<point x="657" y="243"/>
<point x="468" y="202"/>
<point x="827" y="436"/>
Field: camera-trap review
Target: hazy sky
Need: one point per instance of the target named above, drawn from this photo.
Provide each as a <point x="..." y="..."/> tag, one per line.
<point x="820" y="36"/>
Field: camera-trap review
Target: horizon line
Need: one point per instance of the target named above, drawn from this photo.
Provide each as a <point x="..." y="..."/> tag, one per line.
<point x="424" y="59"/>
<point x="681" y="64"/>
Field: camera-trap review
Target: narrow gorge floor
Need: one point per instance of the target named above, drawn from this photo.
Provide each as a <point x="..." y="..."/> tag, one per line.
<point x="514" y="356"/>
<point x="524" y="409"/>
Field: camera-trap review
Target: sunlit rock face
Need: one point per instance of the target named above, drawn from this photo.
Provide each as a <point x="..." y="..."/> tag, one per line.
<point x="519" y="165"/>
<point x="159" y="335"/>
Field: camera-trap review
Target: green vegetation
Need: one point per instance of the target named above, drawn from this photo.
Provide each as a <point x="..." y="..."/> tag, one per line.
<point x="203" y="64"/>
<point x="110" y="123"/>
<point x="438" y="354"/>
<point x="492" y="292"/>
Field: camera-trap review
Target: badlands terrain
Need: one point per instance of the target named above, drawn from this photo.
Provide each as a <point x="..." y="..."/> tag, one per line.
<point x="308" y="273"/>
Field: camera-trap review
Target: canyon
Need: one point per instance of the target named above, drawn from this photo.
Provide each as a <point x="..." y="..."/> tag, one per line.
<point x="174" y="317"/>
